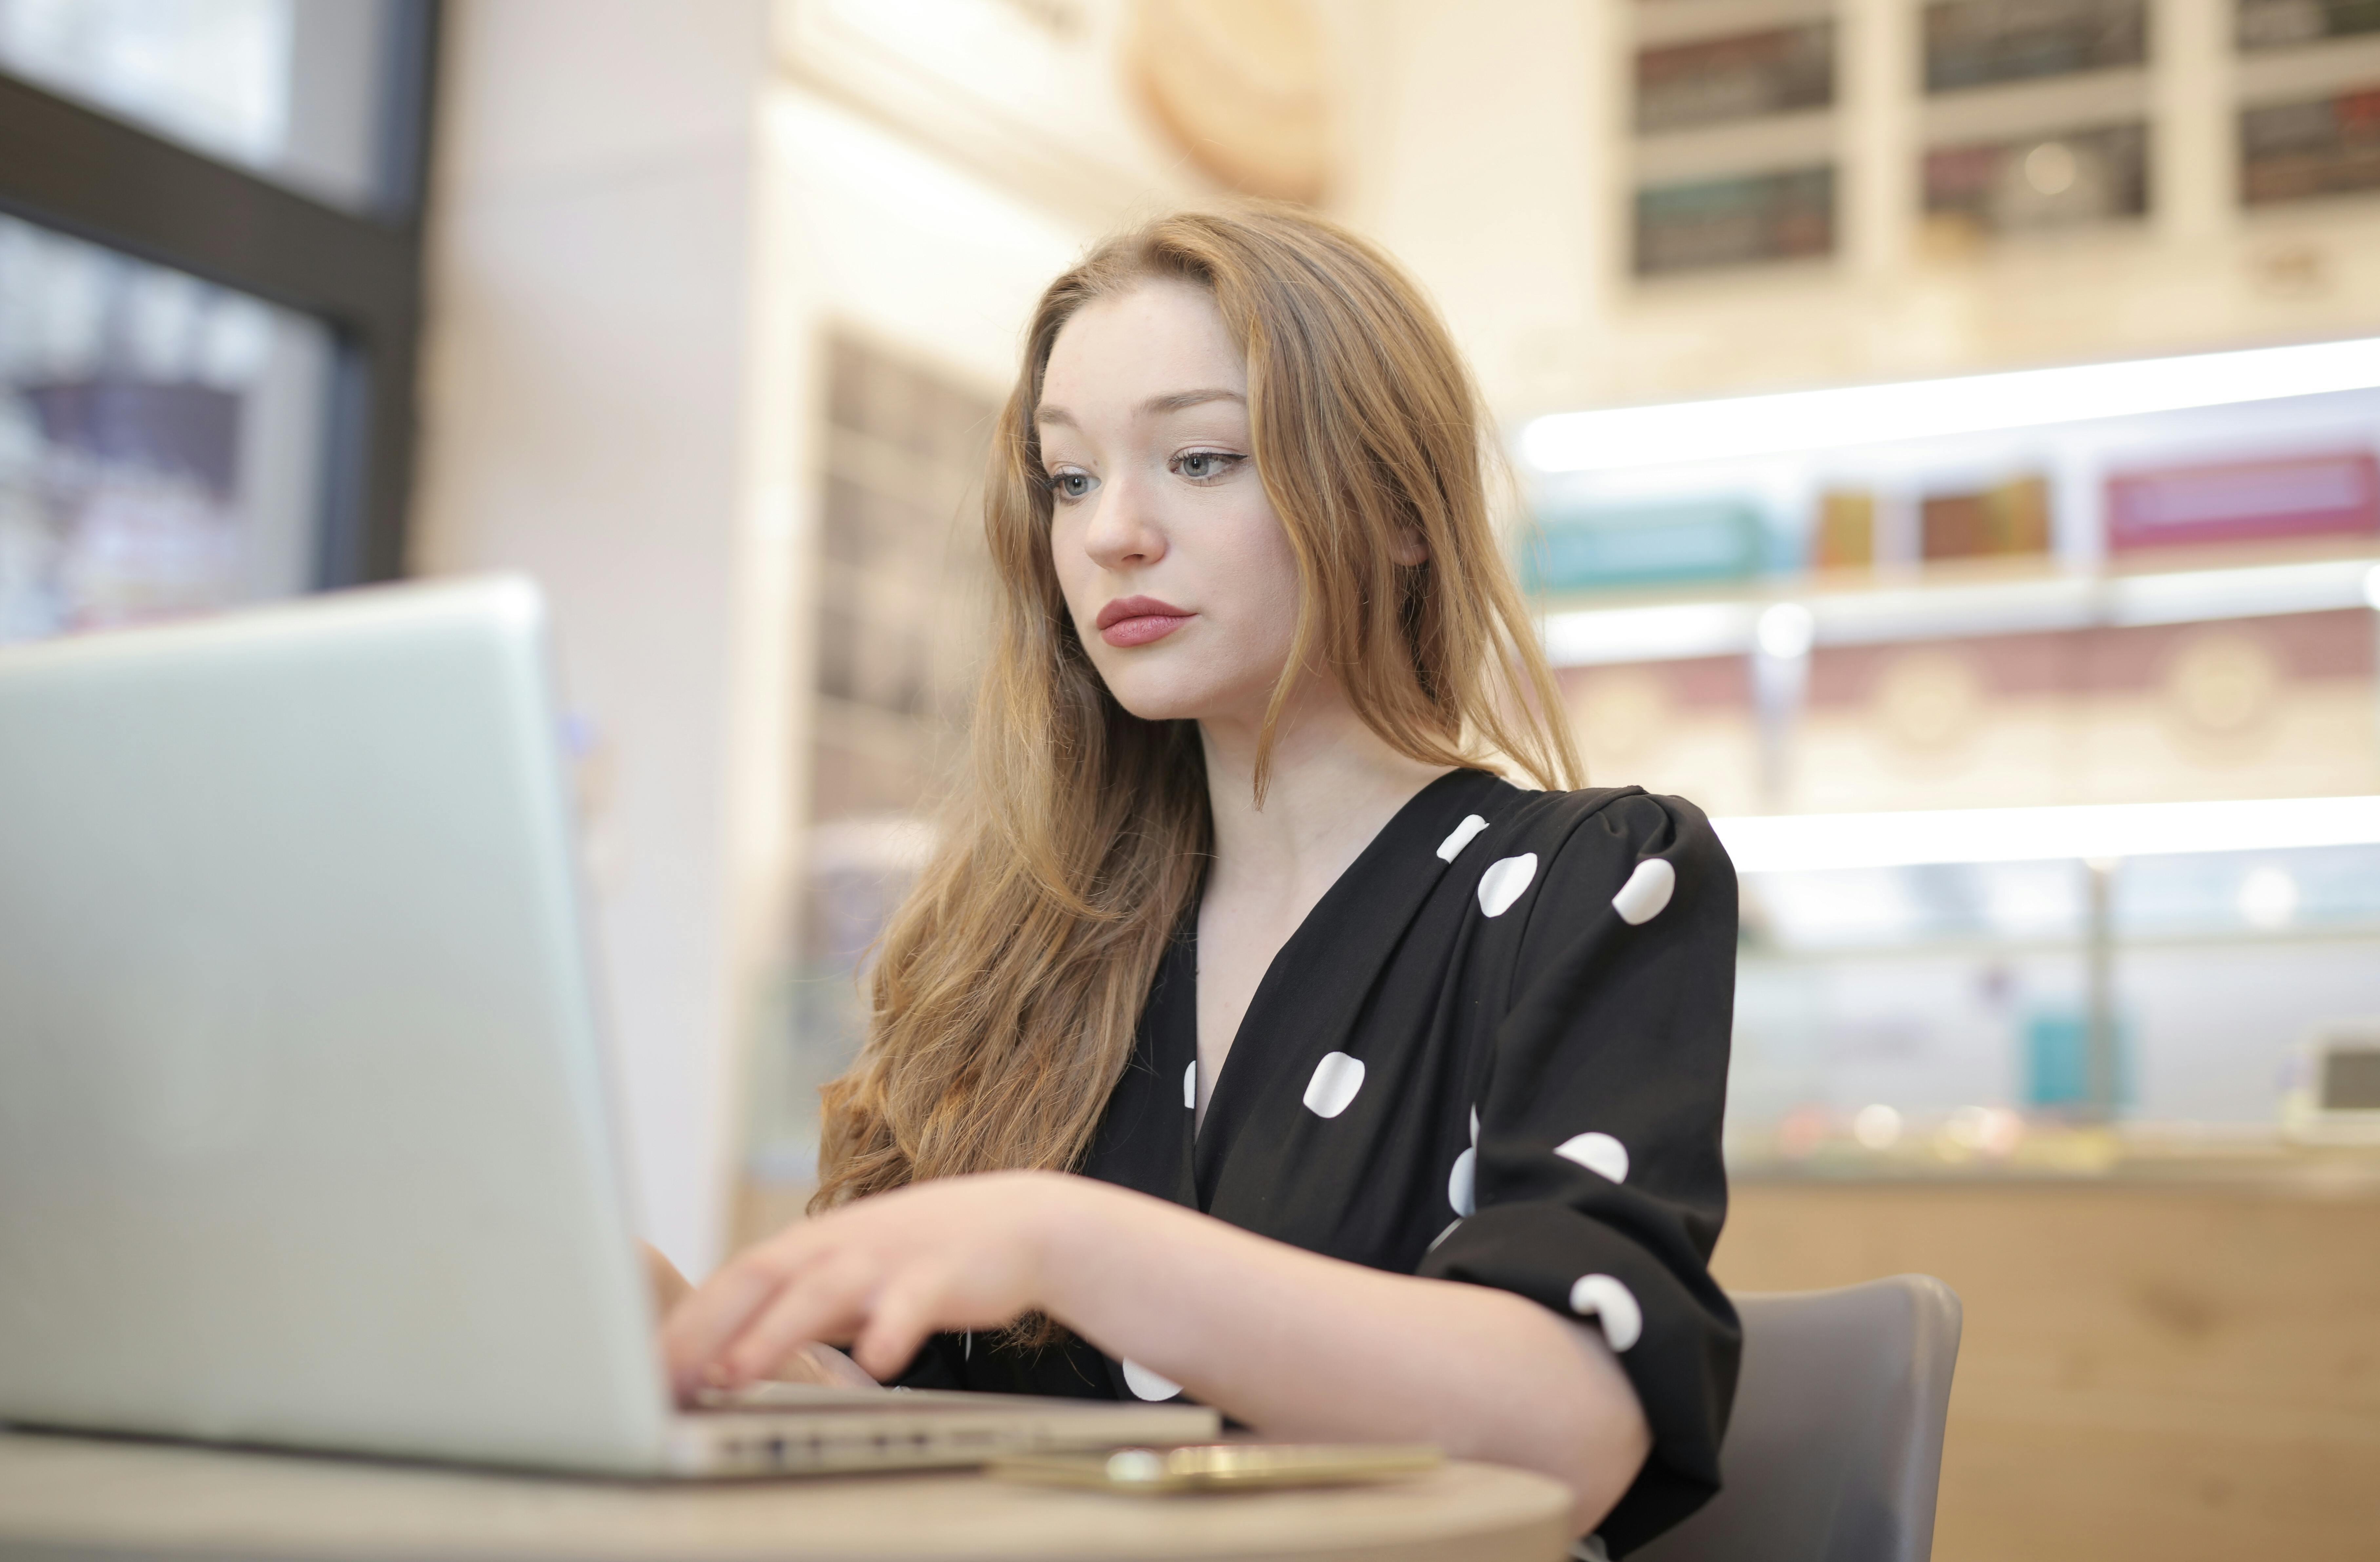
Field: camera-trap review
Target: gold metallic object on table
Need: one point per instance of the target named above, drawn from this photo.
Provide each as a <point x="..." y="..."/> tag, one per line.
<point x="1220" y="1467"/>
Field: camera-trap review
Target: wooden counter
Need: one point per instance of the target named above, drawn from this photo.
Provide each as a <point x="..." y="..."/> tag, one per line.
<point x="2163" y="1364"/>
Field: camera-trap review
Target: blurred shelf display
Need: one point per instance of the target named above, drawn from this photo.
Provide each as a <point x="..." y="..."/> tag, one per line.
<point x="1674" y="630"/>
<point x="1733" y="165"/>
<point x="2040" y="713"/>
<point x="1999" y="989"/>
<point x="1979" y="42"/>
<point x="1738" y="76"/>
<point x="1754" y="121"/>
<point x="2162" y="490"/>
<point x="2302" y="150"/>
<point x="1789" y="215"/>
<point x="2019" y="136"/>
<point x="2282" y="24"/>
<point x="2082" y="176"/>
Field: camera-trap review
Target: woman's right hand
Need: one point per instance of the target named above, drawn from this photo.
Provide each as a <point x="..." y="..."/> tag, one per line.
<point x="816" y="1363"/>
<point x="823" y="1365"/>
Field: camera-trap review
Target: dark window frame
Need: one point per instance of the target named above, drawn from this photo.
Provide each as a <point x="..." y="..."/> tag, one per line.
<point x="87" y="174"/>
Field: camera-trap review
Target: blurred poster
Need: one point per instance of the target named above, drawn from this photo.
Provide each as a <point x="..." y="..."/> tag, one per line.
<point x="2336" y="495"/>
<point x="1710" y="80"/>
<point x="1752" y="217"/>
<point x="2293" y="152"/>
<point x="1976" y="42"/>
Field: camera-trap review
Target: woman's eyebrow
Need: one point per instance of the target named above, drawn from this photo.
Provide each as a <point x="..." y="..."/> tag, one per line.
<point x="1154" y="406"/>
<point x="1180" y="399"/>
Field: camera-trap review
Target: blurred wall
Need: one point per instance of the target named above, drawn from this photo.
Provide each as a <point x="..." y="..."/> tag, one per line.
<point x="1470" y="148"/>
<point x="585" y="395"/>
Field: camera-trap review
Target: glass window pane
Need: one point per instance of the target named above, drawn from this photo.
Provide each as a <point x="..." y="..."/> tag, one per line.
<point x="160" y="440"/>
<point x="295" y="90"/>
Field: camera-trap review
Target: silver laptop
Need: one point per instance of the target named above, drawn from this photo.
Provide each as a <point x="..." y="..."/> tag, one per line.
<point x="305" y="1136"/>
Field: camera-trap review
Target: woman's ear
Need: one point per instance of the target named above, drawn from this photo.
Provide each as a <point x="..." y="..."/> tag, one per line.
<point x="1408" y="548"/>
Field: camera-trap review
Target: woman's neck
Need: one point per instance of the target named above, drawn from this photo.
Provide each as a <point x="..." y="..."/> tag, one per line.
<point x="1332" y="785"/>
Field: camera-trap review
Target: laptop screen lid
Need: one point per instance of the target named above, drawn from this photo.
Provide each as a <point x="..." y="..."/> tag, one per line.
<point x="304" y="1134"/>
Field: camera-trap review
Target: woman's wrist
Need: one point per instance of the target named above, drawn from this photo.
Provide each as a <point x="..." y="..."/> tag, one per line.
<point x="1077" y="1226"/>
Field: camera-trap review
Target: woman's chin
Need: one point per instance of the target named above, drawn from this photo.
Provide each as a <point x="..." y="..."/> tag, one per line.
<point x="1163" y="698"/>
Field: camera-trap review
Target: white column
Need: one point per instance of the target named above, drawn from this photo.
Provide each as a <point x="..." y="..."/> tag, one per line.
<point x="1878" y="89"/>
<point x="2193" y="120"/>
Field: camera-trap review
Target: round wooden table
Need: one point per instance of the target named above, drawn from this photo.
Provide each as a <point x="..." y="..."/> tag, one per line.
<point x="64" y="1497"/>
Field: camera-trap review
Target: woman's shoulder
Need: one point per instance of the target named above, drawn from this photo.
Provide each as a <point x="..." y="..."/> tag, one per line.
<point x="1620" y="846"/>
<point x="1619" y="823"/>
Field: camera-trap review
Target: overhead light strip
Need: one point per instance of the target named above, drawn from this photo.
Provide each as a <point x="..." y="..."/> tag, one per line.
<point x="1735" y="427"/>
<point x="1797" y="842"/>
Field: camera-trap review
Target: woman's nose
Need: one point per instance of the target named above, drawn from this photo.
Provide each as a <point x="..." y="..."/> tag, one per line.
<point x="1123" y="534"/>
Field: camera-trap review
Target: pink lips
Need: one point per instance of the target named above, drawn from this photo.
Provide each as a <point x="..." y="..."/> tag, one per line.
<point x="1137" y="620"/>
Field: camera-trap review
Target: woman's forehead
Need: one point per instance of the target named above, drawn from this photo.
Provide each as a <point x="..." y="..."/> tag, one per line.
<point x="1161" y="343"/>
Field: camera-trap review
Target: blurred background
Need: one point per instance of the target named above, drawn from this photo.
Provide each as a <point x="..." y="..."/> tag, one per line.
<point x="1949" y="450"/>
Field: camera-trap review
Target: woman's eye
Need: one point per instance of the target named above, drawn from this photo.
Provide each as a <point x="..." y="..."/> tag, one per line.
<point x="1072" y="484"/>
<point x="1199" y="466"/>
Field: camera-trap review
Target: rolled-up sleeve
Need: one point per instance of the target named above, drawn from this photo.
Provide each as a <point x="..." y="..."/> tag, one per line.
<point x="1598" y="1184"/>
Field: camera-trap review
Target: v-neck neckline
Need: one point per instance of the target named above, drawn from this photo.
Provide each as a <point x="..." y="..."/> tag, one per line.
<point x="1371" y="873"/>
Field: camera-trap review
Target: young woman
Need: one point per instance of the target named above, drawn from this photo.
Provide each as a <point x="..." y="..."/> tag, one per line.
<point x="1250" y="1038"/>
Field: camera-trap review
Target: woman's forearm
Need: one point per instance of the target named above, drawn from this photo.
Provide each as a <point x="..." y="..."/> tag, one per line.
<point x="1297" y="1345"/>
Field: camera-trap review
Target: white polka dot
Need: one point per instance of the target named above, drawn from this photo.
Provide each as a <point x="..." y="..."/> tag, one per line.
<point x="1452" y="847"/>
<point x="1648" y="891"/>
<point x="1458" y="1182"/>
<point x="1614" y="1305"/>
<point x="1148" y="1384"/>
<point x="1190" y="1086"/>
<point x="1599" y="1152"/>
<point x="1336" y="1080"/>
<point x="1504" y="880"/>
<point x="1444" y="1235"/>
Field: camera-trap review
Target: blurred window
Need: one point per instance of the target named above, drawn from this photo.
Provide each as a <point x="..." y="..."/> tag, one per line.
<point x="302" y="91"/>
<point x="209" y="264"/>
<point x="160" y="440"/>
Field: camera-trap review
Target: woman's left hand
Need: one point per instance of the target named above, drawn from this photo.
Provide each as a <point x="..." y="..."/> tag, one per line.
<point x="962" y="1253"/>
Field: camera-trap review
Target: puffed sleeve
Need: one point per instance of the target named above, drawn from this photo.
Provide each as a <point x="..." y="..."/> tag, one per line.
<point x="1598" y="1182"/>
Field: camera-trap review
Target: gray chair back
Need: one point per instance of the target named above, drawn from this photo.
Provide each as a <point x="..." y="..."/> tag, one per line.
<point x="1834" y="1451"/>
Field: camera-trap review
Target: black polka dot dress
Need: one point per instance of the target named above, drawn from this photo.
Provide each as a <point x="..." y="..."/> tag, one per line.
<point x="1496" y="1053"/>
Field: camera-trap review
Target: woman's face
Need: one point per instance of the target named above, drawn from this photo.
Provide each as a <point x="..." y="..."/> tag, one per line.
<point x="1180" y="579"/>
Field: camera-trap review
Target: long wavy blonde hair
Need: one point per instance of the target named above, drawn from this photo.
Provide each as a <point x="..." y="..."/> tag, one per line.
<point x="1007" y="987"/>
